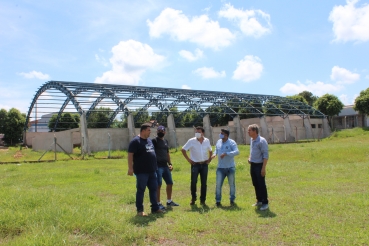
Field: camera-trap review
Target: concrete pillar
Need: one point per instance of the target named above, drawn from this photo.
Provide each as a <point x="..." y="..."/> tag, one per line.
<point x="171" y="132"/>
<point x="207" y="127"/>
<point x="288" y="133"/>
<point x="85" y="143"/>
<point x="131" y="127"/>
<point x="239" y="133"/>
<point x="264" y="128"/>
<point x="326" y="128"/>
<point x="308" y="130"/>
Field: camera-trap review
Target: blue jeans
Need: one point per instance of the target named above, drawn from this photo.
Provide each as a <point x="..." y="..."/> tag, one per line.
<point x="221" y="174"/>
<point x="149" y="180"/>
<point x="197" y="169"/>
<point x="259" y="183"/>
<point x="164" y="173"/>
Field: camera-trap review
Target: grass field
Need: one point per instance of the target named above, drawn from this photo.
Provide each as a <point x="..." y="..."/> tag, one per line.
<point x="318" y="192"/>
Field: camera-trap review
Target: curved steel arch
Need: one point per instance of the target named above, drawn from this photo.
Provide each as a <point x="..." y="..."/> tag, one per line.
<point x="195" y="100"/>
<point x="53" y="85"/>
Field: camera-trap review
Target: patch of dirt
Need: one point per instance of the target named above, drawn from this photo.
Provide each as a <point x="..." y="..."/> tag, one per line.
<point x="18" y="155"/>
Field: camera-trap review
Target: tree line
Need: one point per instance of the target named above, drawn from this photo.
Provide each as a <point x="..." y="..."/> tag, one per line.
<point x="12" y="121"/>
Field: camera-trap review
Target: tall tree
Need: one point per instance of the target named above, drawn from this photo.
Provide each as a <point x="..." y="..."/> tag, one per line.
<point x="362" y="102"/>
<point x="3" y="115"/>
<point x="99" y="118"/>
<point x="67" y="121"/>
<point x="309" y="97"/>
<point x="329" y="105"/>
<point x="13" y="126"/>
<point x="298" y="98"/>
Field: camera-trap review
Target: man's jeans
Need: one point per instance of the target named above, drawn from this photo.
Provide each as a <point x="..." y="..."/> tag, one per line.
<point x="197" y="169"/>
<point x="149" y="180"/>
<point x="221" y="174"/>
<point x="259" y="183"/>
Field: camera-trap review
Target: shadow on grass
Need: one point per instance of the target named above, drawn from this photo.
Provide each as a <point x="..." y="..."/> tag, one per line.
<point x="265" y="214"/>
<point x="202" y="209"/>
<point x="145" y="221"/>
<point x="234" y="207"/>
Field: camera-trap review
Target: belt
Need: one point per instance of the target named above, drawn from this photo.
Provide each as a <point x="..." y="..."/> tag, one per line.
<point x="200" y="163"/>
<point x="255" y="163"/>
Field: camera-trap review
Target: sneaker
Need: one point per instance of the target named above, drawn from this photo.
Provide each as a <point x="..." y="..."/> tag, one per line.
<point x="159" y="211"/>
<point x="172" y="204"/>
<point x="218" y="204"/>
<point x="257" y="204"/>
<point x="161" y="207"/>
<point x="264" y="207"/>
<point x="203" y="203"/>
<point x="141" y="214"/>
<point x="192" y="202"/>
<point x="232" y="203"/>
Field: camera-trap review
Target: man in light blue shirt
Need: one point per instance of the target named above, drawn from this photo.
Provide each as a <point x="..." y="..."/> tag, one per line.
<point x="226" y="149"/>
<point x="258" y="160"/>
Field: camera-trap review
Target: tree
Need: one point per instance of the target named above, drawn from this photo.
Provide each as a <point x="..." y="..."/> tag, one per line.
<point x="67" y="121"/>
<point x="99" y="118"/>
<point x="298" y="98"/>
<point x="12" y="124"/>
<point x="362" y="102"/>
<point x="329" y="105"/>
<point x="309" y="97"/>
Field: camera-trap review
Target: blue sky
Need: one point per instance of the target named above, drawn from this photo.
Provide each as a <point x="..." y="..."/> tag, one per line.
<point x="259" y="47"/>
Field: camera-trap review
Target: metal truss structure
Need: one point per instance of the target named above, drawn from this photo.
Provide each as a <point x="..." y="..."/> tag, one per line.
<point x="58" y="97"/>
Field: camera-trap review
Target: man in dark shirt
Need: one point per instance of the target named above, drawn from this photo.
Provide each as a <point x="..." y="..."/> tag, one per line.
<point x="142" y="163"/>
<point x="163" y="171"/>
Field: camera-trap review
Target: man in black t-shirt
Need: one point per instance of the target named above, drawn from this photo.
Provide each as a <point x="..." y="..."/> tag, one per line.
<point x="142" y="163"/>
<point x="163" y="171"/>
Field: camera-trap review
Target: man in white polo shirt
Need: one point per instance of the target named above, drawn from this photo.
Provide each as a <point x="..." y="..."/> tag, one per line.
<point x="200" y="157"/>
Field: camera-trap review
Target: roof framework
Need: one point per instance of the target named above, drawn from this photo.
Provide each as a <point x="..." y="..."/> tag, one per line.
<point x="58" y="97"/>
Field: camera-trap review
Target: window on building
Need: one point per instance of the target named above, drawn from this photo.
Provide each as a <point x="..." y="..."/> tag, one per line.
<point x="313" y="126"/>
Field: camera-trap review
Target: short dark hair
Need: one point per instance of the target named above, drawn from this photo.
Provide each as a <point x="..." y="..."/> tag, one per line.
<point x="145" y="126"/>
<point x="200" y="128"/>
<point x="225" y="131"/>
<point x="254" y="127"/>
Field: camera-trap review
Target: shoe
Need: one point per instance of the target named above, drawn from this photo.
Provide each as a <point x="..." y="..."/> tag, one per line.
<point x="203" y="203"/>
<point x="161" y="207"/>
<point x="264" y="207"/>
<point x="232" y="203"/>
<point x="218" y="204"/>
<point x="192" y="202"/>
<point x="159" y="211"/>
<point x="257" y="204"/>
<point x="172" y="204"/>
<point x="141" y="214"/>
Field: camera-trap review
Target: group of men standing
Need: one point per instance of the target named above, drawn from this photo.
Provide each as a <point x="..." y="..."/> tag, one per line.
<point x="149" y="160"/>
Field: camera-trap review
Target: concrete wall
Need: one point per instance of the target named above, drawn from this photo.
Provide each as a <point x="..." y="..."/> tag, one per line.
<point x="274" y="129"/>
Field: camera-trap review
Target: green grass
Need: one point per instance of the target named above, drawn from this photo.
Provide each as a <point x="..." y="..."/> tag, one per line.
<point x="319" y="195"/>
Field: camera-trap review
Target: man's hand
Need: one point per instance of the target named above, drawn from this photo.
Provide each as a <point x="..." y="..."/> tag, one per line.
<point x="263" y="172"/>
<point x="130" y="172"/>
<point x="213" y="156"/>
<point x="222" y="155"/>
<point x="170" y="167"/>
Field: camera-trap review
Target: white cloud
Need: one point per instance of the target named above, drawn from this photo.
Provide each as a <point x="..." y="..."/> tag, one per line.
<point x="186" y="87"/>
<point x="350" y="23"/>
<point x="346" y="100"/>
<point x="343" y="76"/>
<point x="129" y="61"/>
<point x="200" y="29"/>
<point x="317" y="88"/>
<point x="251" y="22"/>
<point x="209" y="73"/>
<point x="248" y="69"/>
<point x="35" y="75"/>
<point x="189" y="56"/>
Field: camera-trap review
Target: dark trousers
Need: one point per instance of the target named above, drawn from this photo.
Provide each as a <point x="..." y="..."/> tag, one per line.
<point x="149" y="180"/>
<point x="259" y="183"/>
<point x="197" y="169"/>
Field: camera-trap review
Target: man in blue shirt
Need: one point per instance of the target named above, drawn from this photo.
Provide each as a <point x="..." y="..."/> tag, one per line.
<point x="226" y="149"/>
<point x="258" y="160"/>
